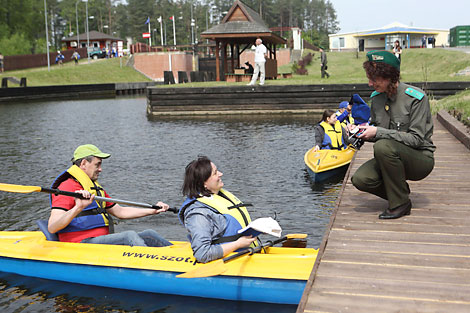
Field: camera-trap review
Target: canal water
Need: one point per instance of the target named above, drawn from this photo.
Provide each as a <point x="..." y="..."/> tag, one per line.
<point x="260" y="156"/>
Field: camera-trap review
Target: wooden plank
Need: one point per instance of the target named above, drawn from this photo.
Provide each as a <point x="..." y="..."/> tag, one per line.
<point x="395" y="271"/>
<point x="394" y="302"/>
<point x="443" y="292"/>
<point x="379" y="235"/>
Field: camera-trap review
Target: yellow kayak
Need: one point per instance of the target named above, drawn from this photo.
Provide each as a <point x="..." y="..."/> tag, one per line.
<point x="278" y="275"/>
<point x="326" y="163"/>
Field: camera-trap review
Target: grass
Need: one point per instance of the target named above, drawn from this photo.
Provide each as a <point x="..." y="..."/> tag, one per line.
<point x="418" y="65"/>
<point x="96" y="72"/>
<point x="458" y="105"/>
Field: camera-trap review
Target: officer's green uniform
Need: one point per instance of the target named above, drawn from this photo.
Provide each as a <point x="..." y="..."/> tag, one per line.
<point x="403" y="148"/>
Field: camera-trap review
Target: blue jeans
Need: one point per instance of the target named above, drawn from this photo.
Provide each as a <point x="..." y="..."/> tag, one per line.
<point x="146" y="238"/>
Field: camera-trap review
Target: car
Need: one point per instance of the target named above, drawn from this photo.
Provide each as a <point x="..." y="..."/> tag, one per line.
<point x="97" y="53"/>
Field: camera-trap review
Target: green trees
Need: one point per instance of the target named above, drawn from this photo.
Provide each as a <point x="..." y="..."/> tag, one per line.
<point x="22" y="28"/>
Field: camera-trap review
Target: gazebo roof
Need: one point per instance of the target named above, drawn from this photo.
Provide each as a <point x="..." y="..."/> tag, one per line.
<point x="242" y="25"/>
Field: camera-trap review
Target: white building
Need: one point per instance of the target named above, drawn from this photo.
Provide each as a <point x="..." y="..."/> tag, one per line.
<point x="383" y="38"/>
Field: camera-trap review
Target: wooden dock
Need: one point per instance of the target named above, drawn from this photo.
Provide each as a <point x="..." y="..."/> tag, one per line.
<point x="281" y="99"/>
<point x="418" y="263"/>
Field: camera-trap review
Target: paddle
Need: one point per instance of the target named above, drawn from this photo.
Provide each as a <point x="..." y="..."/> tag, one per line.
<point x="29" y="189"/>
<point x="218" y="267"/>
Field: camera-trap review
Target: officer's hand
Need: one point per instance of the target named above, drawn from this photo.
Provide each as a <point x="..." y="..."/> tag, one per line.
<point x="368" y="133"/>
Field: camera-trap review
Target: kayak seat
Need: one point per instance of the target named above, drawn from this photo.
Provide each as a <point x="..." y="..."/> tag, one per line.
<point x="43" y="227"/>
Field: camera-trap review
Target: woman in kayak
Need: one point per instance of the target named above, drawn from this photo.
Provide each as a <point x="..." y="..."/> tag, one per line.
<point x="211" y="215"/>
<point x="329" y="134"/>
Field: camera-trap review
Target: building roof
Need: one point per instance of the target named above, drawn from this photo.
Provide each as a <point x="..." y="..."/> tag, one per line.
<point x="242" y="24"/>
<point x="93" y="35"/>
<point x="394" y="28"/>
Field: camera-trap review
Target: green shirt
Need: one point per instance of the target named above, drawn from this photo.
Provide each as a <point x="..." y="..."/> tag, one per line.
<point x="406" y="118"/>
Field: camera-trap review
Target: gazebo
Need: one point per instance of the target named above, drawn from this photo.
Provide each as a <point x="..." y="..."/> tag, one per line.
<point x="239" y="29"/>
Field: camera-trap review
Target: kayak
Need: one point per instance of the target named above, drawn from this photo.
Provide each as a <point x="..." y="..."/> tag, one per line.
<point x="277" y="275"/>
<point x="325" y="163"/>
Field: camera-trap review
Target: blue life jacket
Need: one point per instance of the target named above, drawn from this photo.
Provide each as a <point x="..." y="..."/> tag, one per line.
<point x="94" y="215"/>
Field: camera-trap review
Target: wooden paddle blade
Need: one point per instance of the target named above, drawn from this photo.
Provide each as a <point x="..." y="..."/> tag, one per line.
<point x="210" y="269"/>
<point x="296" y="236"/>
<point x="19" y="188"/>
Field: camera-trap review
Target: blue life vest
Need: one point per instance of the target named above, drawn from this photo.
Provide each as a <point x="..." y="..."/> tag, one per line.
<point x="94" y="215"/>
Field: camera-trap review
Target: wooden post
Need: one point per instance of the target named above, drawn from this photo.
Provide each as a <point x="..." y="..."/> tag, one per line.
<point x="224" y="55"/>
<point x="232" y="58"/>
<point x="238" y="56"/>
<point x="217" y="60"/>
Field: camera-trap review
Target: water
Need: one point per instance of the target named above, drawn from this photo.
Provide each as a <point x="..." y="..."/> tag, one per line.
<point x="261" y="157"/>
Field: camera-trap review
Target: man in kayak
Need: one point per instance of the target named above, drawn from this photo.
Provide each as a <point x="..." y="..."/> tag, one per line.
<point x="87" y="220"/>
<point x="401" y="126"/>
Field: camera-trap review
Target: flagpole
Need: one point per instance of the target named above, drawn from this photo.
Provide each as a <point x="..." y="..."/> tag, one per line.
<point x="174" y="32"/>
<point x="150" y="38"/>
<point x="161" y="29"/>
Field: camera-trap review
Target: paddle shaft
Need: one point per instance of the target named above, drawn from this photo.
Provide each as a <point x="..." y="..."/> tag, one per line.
<point x="98" y="198"/>
<point x="255" y="250"/>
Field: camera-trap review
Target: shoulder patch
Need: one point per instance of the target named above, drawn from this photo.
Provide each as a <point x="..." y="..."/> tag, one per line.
<point x="414" y="93"/>
<point x="375" y="93"/>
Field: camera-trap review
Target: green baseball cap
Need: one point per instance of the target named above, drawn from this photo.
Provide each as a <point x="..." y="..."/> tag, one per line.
<point x="385" y="57"/>
<point x="86" y="150"/>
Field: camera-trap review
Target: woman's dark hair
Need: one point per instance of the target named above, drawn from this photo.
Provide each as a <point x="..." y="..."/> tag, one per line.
<point x="327" y="113"/>
<point x="383" y="70"/>
<point x="196" y="174"/>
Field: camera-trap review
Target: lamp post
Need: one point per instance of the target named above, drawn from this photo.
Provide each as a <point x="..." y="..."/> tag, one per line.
<point x="47" y="38"/>
<point x="76" y="19"/>
<point x="192" y="26"/>
<point x="87" y="32"/>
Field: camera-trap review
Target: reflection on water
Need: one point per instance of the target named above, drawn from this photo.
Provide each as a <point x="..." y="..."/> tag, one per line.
<point x="25" y="294"/>
<point x="261" y="158"/>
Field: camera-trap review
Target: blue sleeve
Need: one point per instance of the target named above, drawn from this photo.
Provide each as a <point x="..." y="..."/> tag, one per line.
<point x="343" y="116"/>
<point x="202" y="228"/>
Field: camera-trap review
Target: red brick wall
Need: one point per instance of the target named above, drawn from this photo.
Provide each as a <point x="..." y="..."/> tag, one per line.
<point x="154" y="64"/>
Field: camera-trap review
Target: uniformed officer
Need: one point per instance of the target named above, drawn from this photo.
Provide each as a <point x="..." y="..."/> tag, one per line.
<point x="401" y="127"/>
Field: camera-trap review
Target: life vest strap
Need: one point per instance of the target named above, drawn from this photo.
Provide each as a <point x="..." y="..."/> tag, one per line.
<point x="226" y="239"/>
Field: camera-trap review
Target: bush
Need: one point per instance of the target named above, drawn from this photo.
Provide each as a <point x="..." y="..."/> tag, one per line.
<point x="299" y="68"/>
<point x="308" y="59"/>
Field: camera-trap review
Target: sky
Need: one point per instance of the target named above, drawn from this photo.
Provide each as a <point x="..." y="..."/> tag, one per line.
<point x="359" y="15"/>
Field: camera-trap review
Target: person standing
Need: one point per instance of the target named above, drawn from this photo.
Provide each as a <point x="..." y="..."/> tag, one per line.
<point x="59" y="59"/>
<point x="260" y="62"/>
<point x="88" y="220"/>
<point x="401" y="127"/>
<point x="397" y="50"/>
<point x="76" y="57"/>
<point x="324" y="63"/>
<point x="1" y="62"/>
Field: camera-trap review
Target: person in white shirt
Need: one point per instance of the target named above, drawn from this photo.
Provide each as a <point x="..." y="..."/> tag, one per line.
<point x="260" y="61"/>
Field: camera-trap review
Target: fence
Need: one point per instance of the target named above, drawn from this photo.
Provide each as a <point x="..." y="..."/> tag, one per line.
<point x="18" y="62"/>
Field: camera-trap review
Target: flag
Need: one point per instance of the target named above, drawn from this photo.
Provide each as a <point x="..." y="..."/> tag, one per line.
<point x="172" y="17"/>
<point x="159" y="19"/>
<point x="148" y="20"/>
